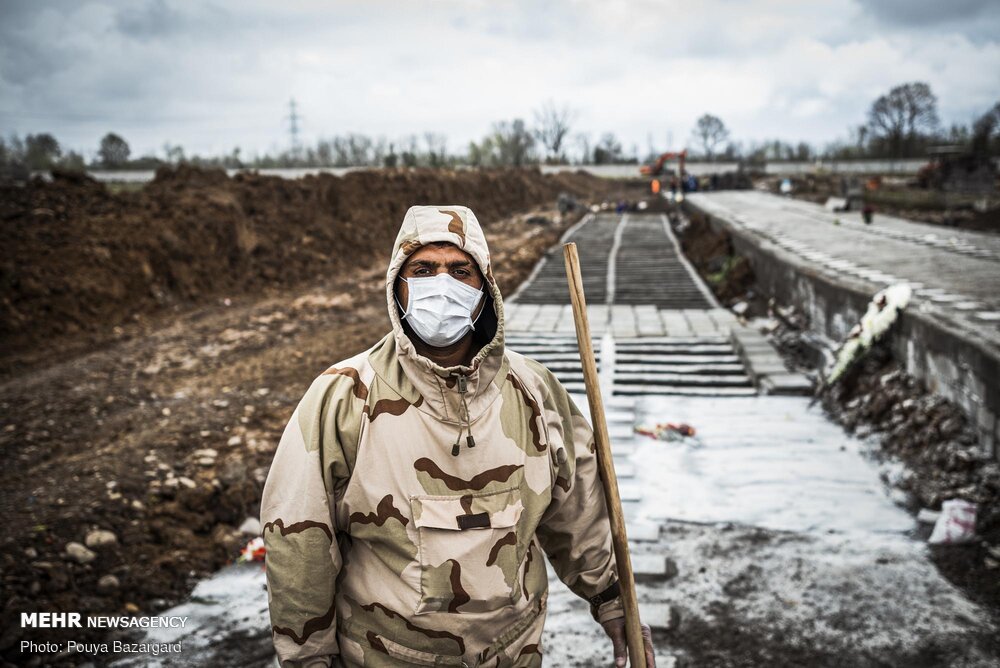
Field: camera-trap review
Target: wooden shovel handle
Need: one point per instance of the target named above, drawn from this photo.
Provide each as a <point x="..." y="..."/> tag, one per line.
<point x="605" y="463"/>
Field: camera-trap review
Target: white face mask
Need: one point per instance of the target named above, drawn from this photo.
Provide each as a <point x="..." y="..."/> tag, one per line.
<point x="440" y="308"/>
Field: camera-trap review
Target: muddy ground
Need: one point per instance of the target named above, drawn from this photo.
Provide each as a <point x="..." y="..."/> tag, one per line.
<point x="929" y="437"/>
<point x="161" y="430"/>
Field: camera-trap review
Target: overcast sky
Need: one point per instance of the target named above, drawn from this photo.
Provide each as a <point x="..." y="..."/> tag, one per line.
<point x="211" y="75"/>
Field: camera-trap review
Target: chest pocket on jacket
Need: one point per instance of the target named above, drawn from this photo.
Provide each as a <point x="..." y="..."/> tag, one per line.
<point x="468" y="550"/>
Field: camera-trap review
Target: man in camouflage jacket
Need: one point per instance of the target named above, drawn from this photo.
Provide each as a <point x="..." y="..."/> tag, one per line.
<point x="392" y="542"/>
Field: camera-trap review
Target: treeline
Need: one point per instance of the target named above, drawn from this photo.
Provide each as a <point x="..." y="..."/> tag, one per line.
<point x="902" y="123"/>
<point x="511" y="143"/>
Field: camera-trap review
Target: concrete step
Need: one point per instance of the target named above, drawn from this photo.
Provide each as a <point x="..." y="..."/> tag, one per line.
<point x="666" y="390"/>
<point x="547" y="357"/>
<point x="653" y="566"/>
<point x="677" y="359"/>
<point x="659" y="616"/>
<point x="676" y="340"/>
<point x="681" y="380"/>
<point x="676" y="348"/>
<point x="643" y="532"/>
<point x="688" y="369"/>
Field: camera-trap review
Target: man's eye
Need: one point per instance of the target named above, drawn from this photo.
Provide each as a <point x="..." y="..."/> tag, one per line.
<point x="461" y="272"/>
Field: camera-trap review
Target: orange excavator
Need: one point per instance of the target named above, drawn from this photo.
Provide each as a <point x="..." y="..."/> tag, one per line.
<point x="656" y="169"/>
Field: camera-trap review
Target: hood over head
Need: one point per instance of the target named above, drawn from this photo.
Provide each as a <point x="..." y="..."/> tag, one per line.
<point x="457" y="225"/>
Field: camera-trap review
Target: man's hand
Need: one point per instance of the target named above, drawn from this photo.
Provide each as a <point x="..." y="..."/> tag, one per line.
<point x="615" y="628"/>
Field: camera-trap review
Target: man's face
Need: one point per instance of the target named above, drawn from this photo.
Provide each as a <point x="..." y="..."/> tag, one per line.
<point x="440" y="258"/>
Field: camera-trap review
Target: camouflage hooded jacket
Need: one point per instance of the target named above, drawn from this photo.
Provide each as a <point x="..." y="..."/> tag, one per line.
<point x="384" y="548"/>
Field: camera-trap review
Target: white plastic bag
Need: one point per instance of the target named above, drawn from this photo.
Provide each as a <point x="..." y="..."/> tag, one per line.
<point x="957" y="523"/>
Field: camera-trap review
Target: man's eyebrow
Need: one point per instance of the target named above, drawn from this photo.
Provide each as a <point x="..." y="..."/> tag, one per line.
<point x="432" y="263"/>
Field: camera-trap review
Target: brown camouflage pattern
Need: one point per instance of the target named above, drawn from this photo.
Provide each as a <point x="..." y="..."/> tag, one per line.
<point x="384" y="549"/>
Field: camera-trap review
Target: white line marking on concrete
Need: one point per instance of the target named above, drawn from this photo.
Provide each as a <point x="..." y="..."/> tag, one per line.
<point x="606" y="375"/>
<point x="538" y="266"/>
<point x="613" y="259"/>
<point x="713" y="302"/>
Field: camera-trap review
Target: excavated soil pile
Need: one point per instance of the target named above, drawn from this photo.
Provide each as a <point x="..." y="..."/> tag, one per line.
<point x="78" y="259"/>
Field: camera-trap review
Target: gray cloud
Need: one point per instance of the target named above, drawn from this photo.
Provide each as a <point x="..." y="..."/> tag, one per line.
<point x="149" y="20"/>
<point x="215" y="75"/>
<point x="931" y="13"/>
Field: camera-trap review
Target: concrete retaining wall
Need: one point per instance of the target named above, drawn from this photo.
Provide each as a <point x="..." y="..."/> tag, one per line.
<point x="950" y="359"/>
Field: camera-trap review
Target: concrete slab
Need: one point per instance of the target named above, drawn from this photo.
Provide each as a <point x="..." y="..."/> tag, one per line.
<point x="786" y="383"/>
<point x="624" y="470"/>
<point x="701" y="324"/>
<point x="650" y="565"/>
<point x="643" y="532"/>
<point x="675" y="324"/>
<point x="629" y="492"/>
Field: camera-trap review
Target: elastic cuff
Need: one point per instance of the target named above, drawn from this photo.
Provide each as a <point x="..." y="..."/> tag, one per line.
<point x="605" y="612"/>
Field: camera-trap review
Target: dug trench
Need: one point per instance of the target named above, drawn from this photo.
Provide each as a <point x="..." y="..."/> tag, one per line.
<point x="155" y="344"/>
<point x="905" y="424"/>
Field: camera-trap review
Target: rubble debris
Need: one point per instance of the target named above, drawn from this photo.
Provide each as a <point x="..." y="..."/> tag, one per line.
<point x="253" y="550"/>
<point x="108" y="584"/>
<point x="957" y="523"/>
<point x="668" y="431"/>
<point x="100" y="538"/>
<point x="80" y="554"/>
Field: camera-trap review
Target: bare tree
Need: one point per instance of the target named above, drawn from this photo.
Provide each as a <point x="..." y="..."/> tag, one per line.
<point x="173" y="152"/>
<point x="608" y="150"/>
<point x="710" y="131"/>
<point x="583" y="141"/>
<point x="114" y="150"/>
<point x="984" y="129"/>
<point x="380" y="149"/>
<point x="481" y="155"/>
<point x="41" y="150"/>
<point x="324" y="153"/>
<point x="359" y="147"/>
<point x="897" y="117"/>
<point x="513" y="143"/>
<point x="436" y="148"/>
<point x="409" y="154"/>
<point x="553" y="125"/>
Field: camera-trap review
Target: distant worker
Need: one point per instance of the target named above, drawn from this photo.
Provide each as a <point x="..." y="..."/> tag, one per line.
<point x="420" y="485"/>
<point x="868" y="213"/>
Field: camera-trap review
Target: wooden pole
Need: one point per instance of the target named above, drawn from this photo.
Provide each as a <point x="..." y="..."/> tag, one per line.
<point x="626" y="581"/>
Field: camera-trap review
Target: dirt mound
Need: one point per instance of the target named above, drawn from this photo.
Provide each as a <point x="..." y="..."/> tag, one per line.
<point x="78" y="259"/>
<point x="711" y="251"/>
